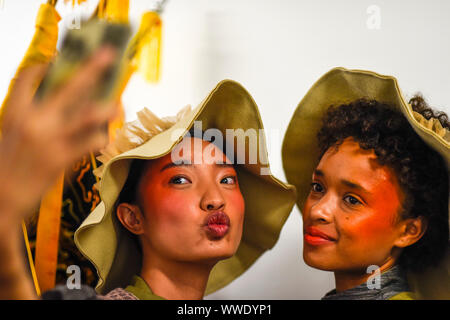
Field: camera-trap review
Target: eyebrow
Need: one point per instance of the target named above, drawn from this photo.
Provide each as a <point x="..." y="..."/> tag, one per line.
<point x="348" y="183"/>
<point x="354" y="186"/>
<point x="319" y="173"/>
<point x="188" y="164"/>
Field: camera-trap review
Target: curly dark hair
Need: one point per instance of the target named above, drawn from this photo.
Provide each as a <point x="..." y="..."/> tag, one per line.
<point x="420" y="170"/>
<point x="419" y="104"/>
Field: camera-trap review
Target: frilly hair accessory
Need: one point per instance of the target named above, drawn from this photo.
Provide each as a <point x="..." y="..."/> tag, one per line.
<point x="136" y="133"/>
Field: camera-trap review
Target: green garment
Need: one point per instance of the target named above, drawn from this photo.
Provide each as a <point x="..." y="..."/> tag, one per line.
<point x="141" y="290"/>
<point x="406" y="295"/>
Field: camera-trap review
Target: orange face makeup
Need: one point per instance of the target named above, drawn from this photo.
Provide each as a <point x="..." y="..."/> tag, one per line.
<point x="191" y="211"/>
<point x="350" y="216"/>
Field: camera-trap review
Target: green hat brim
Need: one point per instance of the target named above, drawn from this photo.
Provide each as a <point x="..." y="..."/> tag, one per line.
<point x="268" y="201"/>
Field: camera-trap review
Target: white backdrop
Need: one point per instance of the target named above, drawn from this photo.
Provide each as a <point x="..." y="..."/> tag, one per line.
<point x="277" y="50"/>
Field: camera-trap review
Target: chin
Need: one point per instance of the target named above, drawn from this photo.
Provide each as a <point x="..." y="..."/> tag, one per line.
<point x="224" y="253"/>
<point x="317" y="262"/>
<point x="218" y="253"/>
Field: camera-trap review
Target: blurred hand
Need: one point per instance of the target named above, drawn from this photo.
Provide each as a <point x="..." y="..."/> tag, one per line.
<point x="41" y="138"/>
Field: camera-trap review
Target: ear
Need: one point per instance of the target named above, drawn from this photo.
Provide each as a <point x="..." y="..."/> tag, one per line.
<point x="411" y="230"/>
<point x="131" y="218"/>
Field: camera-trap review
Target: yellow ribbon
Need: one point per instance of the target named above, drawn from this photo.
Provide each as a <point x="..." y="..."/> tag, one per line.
<point x="145" y="47"/>
<point x="42" y="47"/>
<point x="73" y="1"/>
<point x="114" y="10"/>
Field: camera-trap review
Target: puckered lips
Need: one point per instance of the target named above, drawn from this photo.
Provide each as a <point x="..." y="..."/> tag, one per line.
<point x="217" y="225"/>
<point x="315" y="237"/>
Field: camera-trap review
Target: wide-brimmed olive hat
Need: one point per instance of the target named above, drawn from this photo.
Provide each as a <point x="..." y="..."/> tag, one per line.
<point x="268" y="201"/>
<point x="300" y="150"/>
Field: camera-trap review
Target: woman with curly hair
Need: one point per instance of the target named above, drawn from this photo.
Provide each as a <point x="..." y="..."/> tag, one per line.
<point x="378" y="198"/>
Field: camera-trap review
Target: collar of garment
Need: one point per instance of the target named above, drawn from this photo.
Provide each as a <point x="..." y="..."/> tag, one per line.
<point x="141" y="289"/>
<point x="392" y="282"/>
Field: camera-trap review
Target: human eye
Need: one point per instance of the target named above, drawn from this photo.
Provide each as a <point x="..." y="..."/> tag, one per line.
<point x="179" y="180"/>
<point x="317" y="187"/>
<point x="229" y="180"/>
<point x="351" y="200"/>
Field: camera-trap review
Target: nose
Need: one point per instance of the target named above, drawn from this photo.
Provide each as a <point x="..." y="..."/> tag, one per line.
<point x="212" y="200"/>
<point x="322" y="210"/>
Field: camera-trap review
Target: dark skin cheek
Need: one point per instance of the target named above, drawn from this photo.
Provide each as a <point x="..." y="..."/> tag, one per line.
<point x="376" y="217"/>
<point x="367" y="230"/>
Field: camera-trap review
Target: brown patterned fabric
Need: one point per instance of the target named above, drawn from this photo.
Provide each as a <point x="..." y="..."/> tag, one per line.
<point x="119" y="294"/>
<point x="79" y="198"/>
<point x="61" y="292"/>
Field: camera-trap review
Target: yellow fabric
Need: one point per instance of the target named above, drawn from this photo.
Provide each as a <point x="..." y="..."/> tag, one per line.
<point x="118" y="121"/>
<point x="30" y="259"/>
<point x="42" y="47"/>
<point x="403" y="296"/>
<point x="300" y="151"/>
<point x="149" y="47"/>
<point x="268" y="201"/>
<point x="143" y="52"/>
<point x="47" y="236"/>
<point x="74" y="1"/>
<point x="114" y="10"/>
<point x="145" y="47"/>
<point x="143" y="55"/>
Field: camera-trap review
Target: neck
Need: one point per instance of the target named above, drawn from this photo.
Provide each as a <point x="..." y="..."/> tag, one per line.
<point x="174" y="280"/>
<point x="349" y="279"/>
